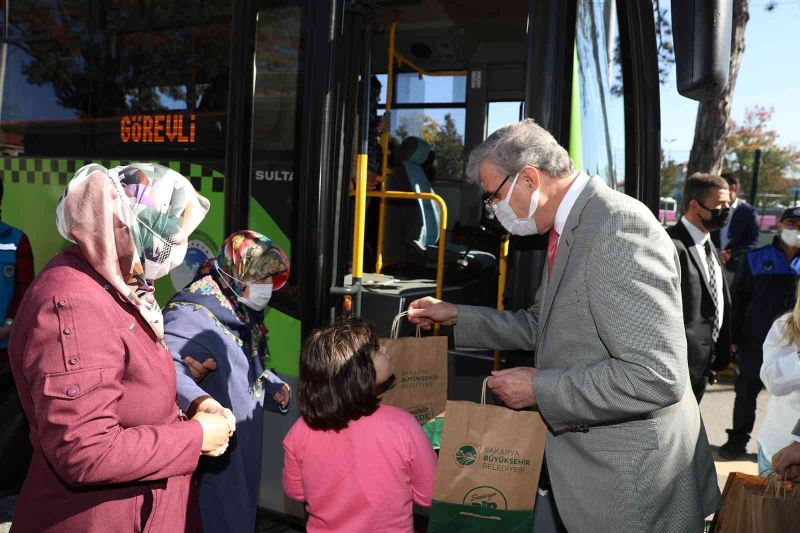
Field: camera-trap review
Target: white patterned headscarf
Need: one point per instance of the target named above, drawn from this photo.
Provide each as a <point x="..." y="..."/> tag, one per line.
<point x="132" y="225"/>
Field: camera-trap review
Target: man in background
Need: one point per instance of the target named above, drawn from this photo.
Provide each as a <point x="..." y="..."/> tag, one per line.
<point x="704" y="290"/>
<point x="763" y="290"/>
<point x="740" y="232"/>
<point x="16" y="275"/>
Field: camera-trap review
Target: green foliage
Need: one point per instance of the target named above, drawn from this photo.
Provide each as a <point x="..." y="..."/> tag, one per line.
<point x="779" y="163"/>
<point x="444" y="139"/>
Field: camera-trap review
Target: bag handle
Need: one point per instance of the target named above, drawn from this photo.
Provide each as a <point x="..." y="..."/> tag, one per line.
<point x="395" y="332"/>
<point x="775" y="487"/>
<point x="483" y="391"/>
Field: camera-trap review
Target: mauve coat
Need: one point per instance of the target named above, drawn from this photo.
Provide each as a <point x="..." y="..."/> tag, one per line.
<point x="109" y="450"/>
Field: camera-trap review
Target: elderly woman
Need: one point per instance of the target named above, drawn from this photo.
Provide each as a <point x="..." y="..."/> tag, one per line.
<point x="110" y="449"/>
<point x="219" y="319"/>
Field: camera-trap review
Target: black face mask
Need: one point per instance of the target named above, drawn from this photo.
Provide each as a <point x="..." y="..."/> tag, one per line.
<point x="718" y="217"/>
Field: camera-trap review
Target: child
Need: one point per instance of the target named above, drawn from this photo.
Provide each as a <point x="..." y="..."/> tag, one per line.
<point x="357" y="464"/>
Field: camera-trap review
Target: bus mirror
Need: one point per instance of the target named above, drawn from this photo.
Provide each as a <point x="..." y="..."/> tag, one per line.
<point x="701" y="31"/>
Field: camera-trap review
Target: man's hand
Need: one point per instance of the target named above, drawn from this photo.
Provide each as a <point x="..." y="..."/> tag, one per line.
<point x="199" y="370"/>
<point x="428" y="311"/>
<point x="725" y="256"/>
<point x="786" y="463"/>
<point x="514" y="386"/>
<point x="283" y="396"/>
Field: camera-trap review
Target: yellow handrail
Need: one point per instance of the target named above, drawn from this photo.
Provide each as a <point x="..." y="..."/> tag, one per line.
<point x="394" y="55"/>
<point x="403" y="60"/>
<point x="502" y="266"/>
<point x="400" y="195"/>
<point x="385" y="148"/>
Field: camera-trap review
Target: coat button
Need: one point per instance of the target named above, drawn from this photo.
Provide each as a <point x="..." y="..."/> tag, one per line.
<point x="67" y="331"/>
<point x="73" y="391"/>
<point x="73" y="360"/>
<point x="62" y="304"/>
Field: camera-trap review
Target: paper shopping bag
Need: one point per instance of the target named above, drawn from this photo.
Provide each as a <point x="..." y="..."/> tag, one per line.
<point x="420" y="370"/>
<point x="776" y="508"/>
<point x="488" y="469"/>
<point x="736" y="513"/>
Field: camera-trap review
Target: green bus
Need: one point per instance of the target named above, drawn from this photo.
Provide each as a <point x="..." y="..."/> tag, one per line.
<point x="261" y="104"/>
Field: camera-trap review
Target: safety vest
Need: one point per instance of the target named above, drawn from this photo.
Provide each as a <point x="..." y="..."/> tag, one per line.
<point x="9" y="241"/>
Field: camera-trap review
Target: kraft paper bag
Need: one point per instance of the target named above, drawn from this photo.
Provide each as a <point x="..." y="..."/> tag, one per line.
<point x="776" y="508"/>
<point x="751" y="503"/>
<point x="420" y="371"/>
<point x="488" y="470"/>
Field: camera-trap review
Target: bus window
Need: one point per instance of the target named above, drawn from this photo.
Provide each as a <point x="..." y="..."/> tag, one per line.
<point x="434" y="109"/>
<point x="599" y="148"/>
<point x="279" y="68"/>
<point x="499" y="114"/>
<point x="123" y="81"/>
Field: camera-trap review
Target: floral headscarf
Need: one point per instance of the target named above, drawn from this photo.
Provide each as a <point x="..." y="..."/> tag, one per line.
<point x="245" y="257"/>
<point x="248" y="256"/>
<point x="132" y="224"/>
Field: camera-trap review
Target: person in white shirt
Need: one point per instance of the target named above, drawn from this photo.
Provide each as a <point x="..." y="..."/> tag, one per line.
<point x="780" y="373"/>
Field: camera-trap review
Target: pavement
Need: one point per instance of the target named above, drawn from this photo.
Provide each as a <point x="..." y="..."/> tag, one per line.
<point x="717" y="410"/>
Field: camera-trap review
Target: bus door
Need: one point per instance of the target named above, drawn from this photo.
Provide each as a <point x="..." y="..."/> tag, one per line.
<point x="300" y="97"/>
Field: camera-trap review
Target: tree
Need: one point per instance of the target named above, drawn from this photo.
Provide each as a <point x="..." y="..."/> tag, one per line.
<point x="671" y="177"/>
<point x="444" y="139"/>
<point x="449" y="147"/>
<point x="779" y="164"/>
<point x="713" y="116"/>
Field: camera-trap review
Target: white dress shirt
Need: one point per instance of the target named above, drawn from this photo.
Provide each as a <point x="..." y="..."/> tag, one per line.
<point x="780" y="373"/>
<point x="699" y="237"/>
<point x="562" y="213"/>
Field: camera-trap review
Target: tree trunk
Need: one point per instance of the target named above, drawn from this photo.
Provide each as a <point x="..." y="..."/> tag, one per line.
<point x="713" y="116"/>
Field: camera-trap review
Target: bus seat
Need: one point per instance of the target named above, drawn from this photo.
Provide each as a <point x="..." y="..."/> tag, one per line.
<point x="418" y="222"/>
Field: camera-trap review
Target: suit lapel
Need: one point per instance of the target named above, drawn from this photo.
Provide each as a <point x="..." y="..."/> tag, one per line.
<point x="688" y="242"/>
<point x="564" y="247"/>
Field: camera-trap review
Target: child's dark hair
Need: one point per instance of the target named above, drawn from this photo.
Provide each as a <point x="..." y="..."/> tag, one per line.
<point x="337" y="375"/>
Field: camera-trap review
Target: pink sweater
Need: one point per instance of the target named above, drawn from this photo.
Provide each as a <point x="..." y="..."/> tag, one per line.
<point x="364" y="478"/>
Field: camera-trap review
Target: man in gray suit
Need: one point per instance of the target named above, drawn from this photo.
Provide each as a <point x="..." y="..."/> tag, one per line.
<point x="626" y="448"/>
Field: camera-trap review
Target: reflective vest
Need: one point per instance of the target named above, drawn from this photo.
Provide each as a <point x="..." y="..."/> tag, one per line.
<point x="9" y="241"/>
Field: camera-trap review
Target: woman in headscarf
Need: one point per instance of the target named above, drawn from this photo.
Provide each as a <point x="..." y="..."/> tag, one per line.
<point x="111" y="452"/>
<point x="220" y="316"/>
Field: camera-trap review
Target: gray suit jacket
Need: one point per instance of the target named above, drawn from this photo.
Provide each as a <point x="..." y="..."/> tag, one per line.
<point x="627" y="449"/>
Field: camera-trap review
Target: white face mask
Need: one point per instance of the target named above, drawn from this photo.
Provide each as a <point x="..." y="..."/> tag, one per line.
<point x="510" y="220"/>
<point x="789" y="237"/>
<point x="260" y="293"/>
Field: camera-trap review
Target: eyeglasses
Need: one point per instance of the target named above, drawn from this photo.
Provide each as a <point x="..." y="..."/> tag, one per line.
<point x="489" y="199"/>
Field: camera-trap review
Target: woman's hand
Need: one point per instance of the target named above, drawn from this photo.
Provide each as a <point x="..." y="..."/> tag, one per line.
<point x="207" y="404"/>
<point x="283" y="396"/>
<point x="199" y="370"/>
<point x="216" y="433"/>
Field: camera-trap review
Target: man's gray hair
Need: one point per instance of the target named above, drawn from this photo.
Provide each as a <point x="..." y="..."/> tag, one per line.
<point x="524" y="143"/>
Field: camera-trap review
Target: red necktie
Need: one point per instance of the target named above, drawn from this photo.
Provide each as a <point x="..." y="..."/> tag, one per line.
<point x="552" y="248"/>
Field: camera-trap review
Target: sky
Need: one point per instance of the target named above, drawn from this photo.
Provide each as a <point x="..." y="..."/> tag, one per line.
<point x="769" y="74"/>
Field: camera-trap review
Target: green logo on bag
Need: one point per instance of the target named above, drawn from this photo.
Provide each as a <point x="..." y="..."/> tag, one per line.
<point x="486" y="497"/>
<point x="466" y="455"/>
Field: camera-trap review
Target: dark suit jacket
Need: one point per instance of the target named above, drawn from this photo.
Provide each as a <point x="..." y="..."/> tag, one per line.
<point x="742" y="234"/>
<point x="699" y="310"/>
